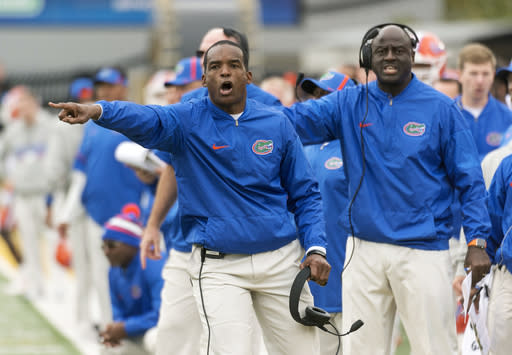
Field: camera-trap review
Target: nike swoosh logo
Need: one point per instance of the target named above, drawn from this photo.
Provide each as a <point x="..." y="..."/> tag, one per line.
<point x="363" y="125"/>
<point x="217" y="147"/>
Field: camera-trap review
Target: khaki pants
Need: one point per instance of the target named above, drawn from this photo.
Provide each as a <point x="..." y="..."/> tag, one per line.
<point x="328" y="342"/>
<point x="234" y="287"/>
<point x="99" y="265"/>
<point x="499" y="316"/>
<point x="382" y="279"/>
<point x="29" y="212"/>
<point x="179" y="327"/>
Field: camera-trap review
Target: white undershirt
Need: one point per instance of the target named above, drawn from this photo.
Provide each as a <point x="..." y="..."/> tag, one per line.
<point x="475" y="111"/>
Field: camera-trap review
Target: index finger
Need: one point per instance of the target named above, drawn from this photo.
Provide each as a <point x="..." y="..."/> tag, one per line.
<point x="58" y="105"/>
<point x="143" y="255"/>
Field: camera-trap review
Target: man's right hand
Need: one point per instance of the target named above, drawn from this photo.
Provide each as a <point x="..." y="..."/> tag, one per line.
<point x="73" y="113"/>
<point x="150" y="245"/>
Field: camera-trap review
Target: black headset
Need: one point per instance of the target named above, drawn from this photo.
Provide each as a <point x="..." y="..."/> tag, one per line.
<point x="365" y="51"/>
<point x="314" y="316"/>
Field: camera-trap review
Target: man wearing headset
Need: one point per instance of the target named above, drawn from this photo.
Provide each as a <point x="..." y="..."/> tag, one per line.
<point x="405" y="148"/>
<point x="240" y="167"/>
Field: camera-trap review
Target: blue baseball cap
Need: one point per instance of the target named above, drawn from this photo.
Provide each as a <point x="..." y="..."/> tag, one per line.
<point x="81" y="89"/>
<point x="187" y="71"/>
<point x="110" y="76"/>
<point x="504" y="71"/>
<point x="330" y="81"/>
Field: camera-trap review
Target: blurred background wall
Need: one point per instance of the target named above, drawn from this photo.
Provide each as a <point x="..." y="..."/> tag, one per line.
<point x="45" y="43"/>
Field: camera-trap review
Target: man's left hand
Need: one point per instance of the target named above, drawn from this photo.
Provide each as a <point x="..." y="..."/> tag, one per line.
<point x="320" y="268"/>
<point x="478" y="262"/>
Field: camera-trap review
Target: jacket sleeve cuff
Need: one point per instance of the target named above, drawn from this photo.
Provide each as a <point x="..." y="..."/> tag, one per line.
<point x="320" y="249"/>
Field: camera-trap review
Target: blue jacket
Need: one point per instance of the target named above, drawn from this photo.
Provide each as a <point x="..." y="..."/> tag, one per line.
<point x="499" y="245"/>
<point x="417" y="149"/>
<point x="135" y="294"/>
<point x="170" y="226"/>
<point x="327" y="164"/>
<point x="109" y="185"/>
<point x="235" y="179"/>
<point x="489" y="127"/>
<point x="253" y="92"/>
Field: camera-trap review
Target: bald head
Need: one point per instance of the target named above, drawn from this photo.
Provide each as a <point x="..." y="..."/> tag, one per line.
<point x="394" y="32"/>
<point x="212" y="36"/>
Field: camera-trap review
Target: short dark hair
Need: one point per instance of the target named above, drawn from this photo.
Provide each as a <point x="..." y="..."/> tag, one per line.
<point x="231" y="43"/>
<point x="240" y="38"/>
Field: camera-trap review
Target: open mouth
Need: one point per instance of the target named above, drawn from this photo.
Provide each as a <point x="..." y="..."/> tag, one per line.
<point x="390" y="69"/>
<point x="226" y="88"/>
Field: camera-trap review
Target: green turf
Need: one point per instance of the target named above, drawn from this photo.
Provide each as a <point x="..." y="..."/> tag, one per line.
<point x="24" y="331"/>
<point x="404" y="348"/>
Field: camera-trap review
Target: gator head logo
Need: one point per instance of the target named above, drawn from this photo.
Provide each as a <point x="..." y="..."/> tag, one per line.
<point x="493" y="139"/>
<point x="263" y="147"/>
<point x="333" y="163"/>
<point x="414" y="129"/>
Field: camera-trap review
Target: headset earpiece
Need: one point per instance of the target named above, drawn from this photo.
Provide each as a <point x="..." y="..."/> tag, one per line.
<point x="365" y="51"/>
<point x="314" y="316"/>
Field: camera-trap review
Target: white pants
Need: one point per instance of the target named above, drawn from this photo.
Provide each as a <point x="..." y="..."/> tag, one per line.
<point x="382" y="279"/>
<point x="499" y="318"/>
<point x="30" y="212"/>
<point x="98" y="266"/>
<point x="142" y="345"/>
<point x="232" y="287"/>
<point x="81" y="263"/>
<point x="179" y="326"/>
<point x="328" y="342"/>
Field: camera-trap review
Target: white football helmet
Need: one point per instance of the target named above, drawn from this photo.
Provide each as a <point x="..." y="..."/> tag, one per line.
<point x="430" y="58"/>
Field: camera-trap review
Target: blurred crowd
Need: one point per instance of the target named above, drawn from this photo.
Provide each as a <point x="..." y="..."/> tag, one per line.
<point x="97" y="190"/>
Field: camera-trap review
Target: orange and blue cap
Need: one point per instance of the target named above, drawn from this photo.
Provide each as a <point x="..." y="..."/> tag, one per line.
<point x="187" y="71"/>
<point x="81" y="89"/>
<point x="330" y="81"/>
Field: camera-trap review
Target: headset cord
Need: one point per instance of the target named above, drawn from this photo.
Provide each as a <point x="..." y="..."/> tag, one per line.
<point x="202" y="300"/>
<point x="361" y="126"/>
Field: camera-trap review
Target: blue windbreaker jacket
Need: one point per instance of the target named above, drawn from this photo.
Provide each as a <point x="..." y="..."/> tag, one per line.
<point x="417" y="149"/>
<point x="327" y="164"/>
<point x="499" y="245"/>
<point x="135" y="294"/>
<point x="488" y="129"/>
<point x="235" y="178"/>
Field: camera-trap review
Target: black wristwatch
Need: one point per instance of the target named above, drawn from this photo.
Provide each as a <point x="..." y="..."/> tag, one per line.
<point x="316" y="251"/>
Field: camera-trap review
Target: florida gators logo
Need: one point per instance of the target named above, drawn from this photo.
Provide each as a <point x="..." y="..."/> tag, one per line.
<point x="333" y="163"/>
<point x="263" y="147"/>
<point x="493" y="139"/>
<point x="414" y="129"/>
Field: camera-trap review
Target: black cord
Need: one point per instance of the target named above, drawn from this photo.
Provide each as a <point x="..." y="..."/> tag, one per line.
<point x="202" y="302"/>
<point x="361" y="126"/>
<point x="339" y="338"/>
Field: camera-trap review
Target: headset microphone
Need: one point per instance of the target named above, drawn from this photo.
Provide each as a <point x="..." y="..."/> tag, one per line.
<point x="355" y="326"/>
<point x="314" y="316"/>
